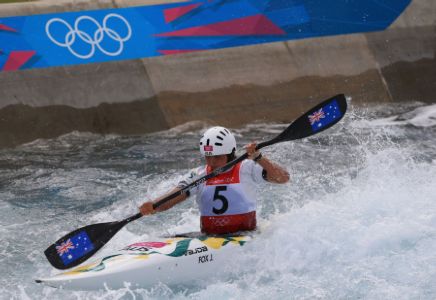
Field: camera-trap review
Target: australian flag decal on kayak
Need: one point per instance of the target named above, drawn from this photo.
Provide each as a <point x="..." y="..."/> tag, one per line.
<point x="74" y="248"/>
<point x="324" y="116"/>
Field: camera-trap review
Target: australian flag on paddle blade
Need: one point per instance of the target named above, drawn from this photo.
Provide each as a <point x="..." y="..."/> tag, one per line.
<point x="324" y="116"/>
<point x="74" y="248"/>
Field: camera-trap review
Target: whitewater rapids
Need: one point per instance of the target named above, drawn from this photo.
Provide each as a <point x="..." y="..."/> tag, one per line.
<point x="357" y="220"/>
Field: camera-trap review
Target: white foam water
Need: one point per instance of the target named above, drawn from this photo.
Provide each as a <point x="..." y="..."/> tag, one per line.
<point x="420" y="117"/>
<point x="357" y="221"/>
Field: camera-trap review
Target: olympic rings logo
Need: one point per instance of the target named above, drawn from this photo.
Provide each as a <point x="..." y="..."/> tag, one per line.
<point x="93" y="40"/>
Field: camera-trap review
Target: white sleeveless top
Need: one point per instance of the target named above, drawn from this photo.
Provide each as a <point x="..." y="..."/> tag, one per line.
<point x="230" y="193"/>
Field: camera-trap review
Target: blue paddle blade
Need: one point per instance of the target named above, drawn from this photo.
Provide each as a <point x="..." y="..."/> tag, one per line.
<point x="321" y="117"/>
<point x="79" y="245"/>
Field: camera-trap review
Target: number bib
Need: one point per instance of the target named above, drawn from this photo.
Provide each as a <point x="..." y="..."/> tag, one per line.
<point x="225" y="195"/>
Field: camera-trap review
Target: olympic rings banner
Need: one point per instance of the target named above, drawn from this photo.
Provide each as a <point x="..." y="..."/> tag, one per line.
<point x="73" y="38"/>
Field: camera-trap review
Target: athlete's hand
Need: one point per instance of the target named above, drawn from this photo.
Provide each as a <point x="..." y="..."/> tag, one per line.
<point x="147" y="209"/>
<point x="251" y="151"/>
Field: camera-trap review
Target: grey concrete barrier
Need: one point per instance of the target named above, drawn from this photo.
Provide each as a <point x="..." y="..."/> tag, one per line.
<point x="231" y="87"/>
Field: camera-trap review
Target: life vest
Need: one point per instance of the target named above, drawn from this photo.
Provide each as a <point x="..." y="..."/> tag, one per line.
<point x="225" y="206"/>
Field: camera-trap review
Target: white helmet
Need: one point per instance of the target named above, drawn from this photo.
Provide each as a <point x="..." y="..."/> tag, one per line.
<point x="217" y="141"/>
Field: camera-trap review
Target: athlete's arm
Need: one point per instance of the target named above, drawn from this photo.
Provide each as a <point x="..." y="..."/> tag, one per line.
<point x="147" y="207"/>
<point x="274" y="172"/>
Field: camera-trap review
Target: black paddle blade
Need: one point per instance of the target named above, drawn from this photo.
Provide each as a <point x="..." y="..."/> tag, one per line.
<point x="79" y="245"/>
<point x="321" y="117"/>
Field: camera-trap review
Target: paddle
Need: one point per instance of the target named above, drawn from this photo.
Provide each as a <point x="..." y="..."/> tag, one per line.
<point x="79" y="245"/>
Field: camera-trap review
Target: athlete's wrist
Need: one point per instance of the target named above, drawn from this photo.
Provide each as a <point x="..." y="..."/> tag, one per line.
<point x="258" y="157"/>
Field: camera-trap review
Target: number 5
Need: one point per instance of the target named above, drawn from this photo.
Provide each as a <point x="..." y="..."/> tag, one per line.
<point x="217" y="196"/>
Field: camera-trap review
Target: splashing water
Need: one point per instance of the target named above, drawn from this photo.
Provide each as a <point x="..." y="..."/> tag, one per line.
<point x="357" y="221"/>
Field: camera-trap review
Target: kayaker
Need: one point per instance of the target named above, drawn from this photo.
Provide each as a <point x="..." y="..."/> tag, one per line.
<point x="227" y="202"/>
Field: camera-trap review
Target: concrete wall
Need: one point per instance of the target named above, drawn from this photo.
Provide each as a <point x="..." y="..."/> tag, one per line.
<point x="269" y="82"/>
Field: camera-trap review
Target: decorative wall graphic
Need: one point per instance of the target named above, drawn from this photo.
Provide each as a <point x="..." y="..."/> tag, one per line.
<point x="73" y="38"/>
<point x="94" y="40"/>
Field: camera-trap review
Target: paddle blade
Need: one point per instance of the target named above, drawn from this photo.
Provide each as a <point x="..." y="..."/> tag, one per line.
<point x="79" y="245"/>
<point x="321" y="117"/>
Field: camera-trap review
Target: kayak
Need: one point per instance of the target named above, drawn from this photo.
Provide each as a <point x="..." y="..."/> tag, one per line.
<point x="170" y="261"/>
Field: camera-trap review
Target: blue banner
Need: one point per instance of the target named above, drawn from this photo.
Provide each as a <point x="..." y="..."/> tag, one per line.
<point x="73" y="38"/>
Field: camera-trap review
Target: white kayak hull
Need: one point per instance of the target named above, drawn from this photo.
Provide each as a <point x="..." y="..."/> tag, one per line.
<point x="141" y="265"/>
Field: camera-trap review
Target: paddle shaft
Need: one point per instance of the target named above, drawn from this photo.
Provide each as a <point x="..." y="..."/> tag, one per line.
<point x="88" y="240"/>
<point x="199" y="181"/>
<point x="296" y="130"/>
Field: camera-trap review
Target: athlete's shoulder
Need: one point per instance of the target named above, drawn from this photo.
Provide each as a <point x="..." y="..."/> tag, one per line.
<point x="250" y="169"/>
<point x="191" y="176"/>
<point x="248" y="164"/>
<point x="198" y="171"/>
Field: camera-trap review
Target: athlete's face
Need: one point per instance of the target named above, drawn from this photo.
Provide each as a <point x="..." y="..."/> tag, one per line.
<point x="216" y="161"/>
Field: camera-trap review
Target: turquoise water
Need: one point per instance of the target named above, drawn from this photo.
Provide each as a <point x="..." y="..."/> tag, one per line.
<point x="357" y="220"/>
